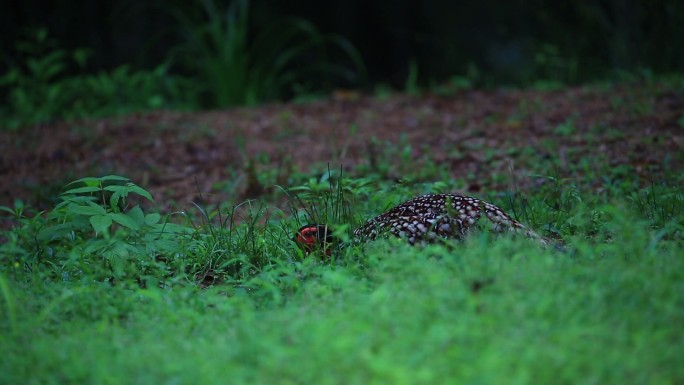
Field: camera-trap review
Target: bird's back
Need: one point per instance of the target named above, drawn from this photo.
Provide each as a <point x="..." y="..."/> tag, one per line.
<point x="432" y="216"/>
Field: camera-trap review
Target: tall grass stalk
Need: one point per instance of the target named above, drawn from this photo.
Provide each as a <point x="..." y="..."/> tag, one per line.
<point x="234" y="67"/>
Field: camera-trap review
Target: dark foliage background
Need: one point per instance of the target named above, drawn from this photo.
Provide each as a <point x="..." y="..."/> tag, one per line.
<point x="492" y="42"/>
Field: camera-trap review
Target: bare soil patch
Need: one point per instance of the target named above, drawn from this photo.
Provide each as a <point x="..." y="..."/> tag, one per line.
<point x="177" y="155"/>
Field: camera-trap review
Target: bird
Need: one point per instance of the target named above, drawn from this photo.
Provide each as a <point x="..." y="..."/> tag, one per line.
<point x="423" y="219"/>
<point x="312" y="236"/>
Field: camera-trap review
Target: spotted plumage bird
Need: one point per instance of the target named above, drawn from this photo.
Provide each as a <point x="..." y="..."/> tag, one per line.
<point x="423" y="219"/>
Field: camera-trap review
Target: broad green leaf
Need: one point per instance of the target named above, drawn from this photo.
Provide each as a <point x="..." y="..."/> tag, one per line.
<point x="152" y="219"/>
<point x="80" y="199"/>
<point x="114" y="177"/>
<point x="118" y="193"/>
<point x="81" y="190"/>
<point x="114" y="200"/>
<point x="137" y="214"/>
<point x="88" y="181"/>
<point x="140" y="191"/>
<point x="117" y="188"/>
<point x="100" y="223"/>
<point x="91" y="209"/>
<point x="18" y="203"/>
<point x="124" y="220"/>
<point x="69" y="200"/>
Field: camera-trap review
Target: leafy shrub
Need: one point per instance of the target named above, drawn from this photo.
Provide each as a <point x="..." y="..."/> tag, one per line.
<point x="42" y="88"/>
<point x="93" y="233"/>
<point x="234" y="67"/>
<point x="97" y="233"/>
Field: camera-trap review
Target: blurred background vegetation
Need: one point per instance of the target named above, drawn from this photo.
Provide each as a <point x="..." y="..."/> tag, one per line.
<point x="70" y="59"/>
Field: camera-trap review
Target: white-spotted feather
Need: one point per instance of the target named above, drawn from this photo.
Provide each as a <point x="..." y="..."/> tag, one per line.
<point x="427" y="217"/>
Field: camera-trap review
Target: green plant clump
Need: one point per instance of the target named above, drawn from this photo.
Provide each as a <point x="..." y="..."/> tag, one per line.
<point x="235" y="67"/>
<point x="52" y="83"/>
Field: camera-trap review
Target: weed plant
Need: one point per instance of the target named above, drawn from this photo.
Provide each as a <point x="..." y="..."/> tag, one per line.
<point x="43" y="87"/>
<point x="235" y="67"/>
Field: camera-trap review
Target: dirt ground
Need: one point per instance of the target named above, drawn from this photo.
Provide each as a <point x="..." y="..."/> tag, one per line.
<point x="177" y="155"/>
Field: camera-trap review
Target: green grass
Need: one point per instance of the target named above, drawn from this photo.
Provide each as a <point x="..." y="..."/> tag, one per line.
<point x="103" y="288"/>
<point x="125" y="305"/>
<point x="401" y="316"/>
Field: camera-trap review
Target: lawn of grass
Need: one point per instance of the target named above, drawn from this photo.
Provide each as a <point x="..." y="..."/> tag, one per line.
<point x="601" y="309"/>
<point x="104" y="289"/>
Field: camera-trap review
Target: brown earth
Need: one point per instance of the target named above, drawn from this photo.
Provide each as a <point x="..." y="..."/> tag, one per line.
<point x="177" y="155"/>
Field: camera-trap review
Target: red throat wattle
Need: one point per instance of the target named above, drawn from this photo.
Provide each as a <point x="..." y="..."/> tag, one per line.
<point x="312" y="237"/>
<point x="307" y="237"/>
